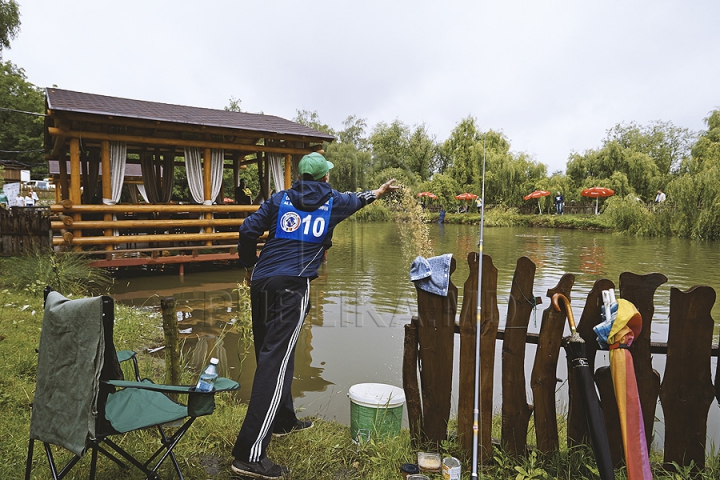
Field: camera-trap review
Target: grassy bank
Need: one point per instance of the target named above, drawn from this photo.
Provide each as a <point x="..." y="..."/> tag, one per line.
<point x="509" y="217"/>
<point x="324" y="452"/>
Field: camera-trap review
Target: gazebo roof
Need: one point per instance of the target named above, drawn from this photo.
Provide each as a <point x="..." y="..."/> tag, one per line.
<point x="88" y="103"/>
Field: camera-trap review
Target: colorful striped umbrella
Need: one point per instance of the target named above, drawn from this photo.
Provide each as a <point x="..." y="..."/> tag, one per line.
<point x="622" y="323"/>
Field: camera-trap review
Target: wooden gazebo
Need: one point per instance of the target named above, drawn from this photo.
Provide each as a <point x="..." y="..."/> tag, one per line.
<point x="97" y="144"/>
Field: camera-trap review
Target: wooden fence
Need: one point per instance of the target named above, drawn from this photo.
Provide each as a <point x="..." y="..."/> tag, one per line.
<point x="685" y="392"/>
<point x="24" y="227"/>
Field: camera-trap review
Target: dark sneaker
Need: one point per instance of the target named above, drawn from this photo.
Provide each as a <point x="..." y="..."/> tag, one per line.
<point x="265" y="469"/>
<point x="300" y="425"/>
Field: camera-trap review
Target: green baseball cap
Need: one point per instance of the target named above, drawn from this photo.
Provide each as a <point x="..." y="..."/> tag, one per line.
<point x="314" y="164"/>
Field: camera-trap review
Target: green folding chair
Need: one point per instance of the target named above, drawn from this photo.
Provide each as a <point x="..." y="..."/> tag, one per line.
<point x="82" y="399"/>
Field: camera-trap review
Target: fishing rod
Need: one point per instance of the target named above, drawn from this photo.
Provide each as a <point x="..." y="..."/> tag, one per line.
<point x="478" y="324"/>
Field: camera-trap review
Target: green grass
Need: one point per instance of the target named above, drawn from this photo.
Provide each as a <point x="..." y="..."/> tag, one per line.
<point x="501" y="216"/>
<point x="323" y="452"/>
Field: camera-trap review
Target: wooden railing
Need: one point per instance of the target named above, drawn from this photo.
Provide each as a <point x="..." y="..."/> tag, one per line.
<point x="157" y="231"/>
<point x="685" y="391"/>
<point x="22" y="228"/>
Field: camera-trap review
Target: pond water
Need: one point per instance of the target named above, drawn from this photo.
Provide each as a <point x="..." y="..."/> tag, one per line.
<point x="363" y="297"/>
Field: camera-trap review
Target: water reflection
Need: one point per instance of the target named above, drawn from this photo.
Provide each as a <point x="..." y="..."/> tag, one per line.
<point x="363" y="297"/>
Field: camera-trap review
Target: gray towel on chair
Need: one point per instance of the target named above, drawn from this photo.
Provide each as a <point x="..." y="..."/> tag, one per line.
<point x="69" y="362"/>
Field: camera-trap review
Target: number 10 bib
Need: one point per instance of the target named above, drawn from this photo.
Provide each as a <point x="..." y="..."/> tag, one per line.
<point x="304" y="226"/>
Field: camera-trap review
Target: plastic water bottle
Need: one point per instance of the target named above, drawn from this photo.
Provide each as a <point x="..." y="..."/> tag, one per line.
<point x="208" y="377"/>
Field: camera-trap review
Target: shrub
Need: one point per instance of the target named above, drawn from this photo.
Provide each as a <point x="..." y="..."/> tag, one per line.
<point x="68" y="273"/>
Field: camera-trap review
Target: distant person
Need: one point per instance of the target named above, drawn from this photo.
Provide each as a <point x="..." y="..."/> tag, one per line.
<point x="243" y="195"/>
<point x="20" y="200"/>
<point x="559" y="200"/>
<point x="33" y="194"/>
<point x="441" y="218"/>
<point x="3" y="199"/>
<point x="660" y="197"/>
<point x="478" y="204"/>
<point x="29" y="201"/>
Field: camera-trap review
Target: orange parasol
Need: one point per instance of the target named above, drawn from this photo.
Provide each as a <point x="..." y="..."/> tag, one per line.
<point x="537" y="194"/>
<point x="429" y="195"/>
<point x="596" y="193"/>
<point x="466" y="196"/>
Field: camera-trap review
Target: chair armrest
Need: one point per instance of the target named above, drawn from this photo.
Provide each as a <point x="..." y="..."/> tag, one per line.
<point x="222" y="384"/>
<point x="125" y="355"/>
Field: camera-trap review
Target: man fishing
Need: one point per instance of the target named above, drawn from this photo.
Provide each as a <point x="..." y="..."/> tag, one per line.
<point x="300" y="222"/>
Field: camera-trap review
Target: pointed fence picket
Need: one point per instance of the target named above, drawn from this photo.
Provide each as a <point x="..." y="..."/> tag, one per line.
<point x="685" y="391"/>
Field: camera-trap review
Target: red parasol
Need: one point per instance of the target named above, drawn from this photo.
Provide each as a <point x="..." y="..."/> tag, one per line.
<point x="466" y="196"/>
<point x="429" y="195"/>
<point x="596" y="193"/>
<point x="537" y="194"/>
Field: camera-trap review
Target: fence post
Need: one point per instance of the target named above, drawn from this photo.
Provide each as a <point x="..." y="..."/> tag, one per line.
<point x="687" y="391"/>
<point x="410" y="381"/>
<point x="436" y="335"/>
<point x="489" y="328"/>
<point x="172" y="344"/>
<point x="544" y="377"/>
<point x="640" y="289"/>
<point x="515" y="410"/>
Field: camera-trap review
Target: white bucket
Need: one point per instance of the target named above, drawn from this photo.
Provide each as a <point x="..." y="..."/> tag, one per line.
<point x="375" y="410"/>
<point x="450" y="468"/>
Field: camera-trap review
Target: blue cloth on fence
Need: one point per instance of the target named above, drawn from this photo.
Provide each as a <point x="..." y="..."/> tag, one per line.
<point x="602" y="329"/>
<point x="432" y="274"/>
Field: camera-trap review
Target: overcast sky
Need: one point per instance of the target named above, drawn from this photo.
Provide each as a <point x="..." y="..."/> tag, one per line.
<point x="553" y="76"/>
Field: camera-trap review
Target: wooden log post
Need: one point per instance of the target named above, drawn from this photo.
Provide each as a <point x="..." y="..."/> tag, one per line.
<point x="576" y="422"/>
<point x="543" y="379"/>
<point x="436" y="332"/>
<point x="687" y="390"/>
<point x="172" y="343"/>
<point x="75" y="193"/>
<point x="288" y="171"/>
<point x="515" y="410"/>
<point x="207" y="186"/>
<point x="64" y="185"/>
<point x="410" y="382"/>
<point x="489" y="321"/>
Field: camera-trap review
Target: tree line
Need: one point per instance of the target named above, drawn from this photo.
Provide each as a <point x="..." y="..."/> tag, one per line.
<point x="634" y="160"/>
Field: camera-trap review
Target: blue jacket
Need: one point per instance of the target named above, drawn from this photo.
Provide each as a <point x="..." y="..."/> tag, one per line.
<point x="289" y="257"/>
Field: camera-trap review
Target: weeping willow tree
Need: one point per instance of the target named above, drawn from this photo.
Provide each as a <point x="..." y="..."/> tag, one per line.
<point x="695" y="194"/>
<point x="509" y="176"/>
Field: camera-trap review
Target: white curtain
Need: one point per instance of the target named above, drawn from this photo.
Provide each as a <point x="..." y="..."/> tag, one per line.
<point x="118" y="156"/>
<point x="216" y="172"/>
<point x="141" y="189"/>
<point x="276" y="163"/>
<point x="193" y="168"/>
<point x="193" y="165"/>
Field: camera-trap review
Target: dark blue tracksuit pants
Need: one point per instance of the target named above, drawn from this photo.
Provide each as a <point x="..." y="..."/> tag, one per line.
<point x="279" y="306"/>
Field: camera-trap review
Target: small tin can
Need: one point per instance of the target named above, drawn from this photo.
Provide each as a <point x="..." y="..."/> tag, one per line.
<point x="450" y="468"/>
<point x="408" y="469"/>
